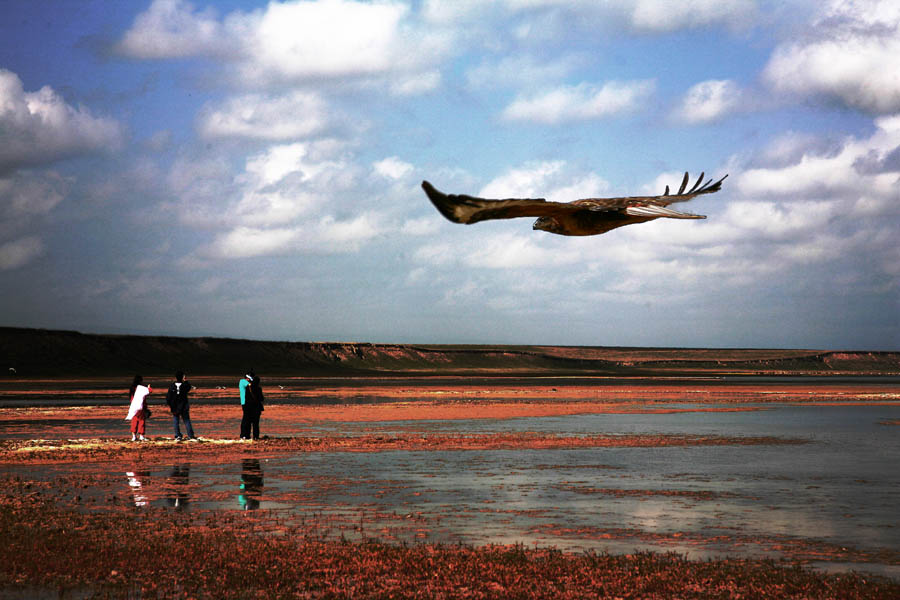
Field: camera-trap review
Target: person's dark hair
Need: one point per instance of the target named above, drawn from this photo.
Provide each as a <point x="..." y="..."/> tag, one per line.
<point x="138" y="380"/>
<point x="179" y="376"/>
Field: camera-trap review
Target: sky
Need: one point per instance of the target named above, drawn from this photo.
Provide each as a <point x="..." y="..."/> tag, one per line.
<point x="253" y="169"/>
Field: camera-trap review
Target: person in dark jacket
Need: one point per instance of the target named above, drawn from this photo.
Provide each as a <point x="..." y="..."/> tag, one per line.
<point x="177" y="399"/>
<point x="251" y="404"/>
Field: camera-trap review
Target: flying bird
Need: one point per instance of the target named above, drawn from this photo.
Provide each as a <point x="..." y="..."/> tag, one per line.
<point x="589" y="216"/>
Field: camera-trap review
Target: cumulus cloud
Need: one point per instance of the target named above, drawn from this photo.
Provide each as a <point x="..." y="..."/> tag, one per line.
<point x="709" y="101"/>
<point x="422" y="226"/>
<point x="516" y="251"/>
<point x="40" y="127"/>
<point x="295" y="42"/>
<point x="581" y="102"/>
<point x="834" y="174"/>
<point x="788" y="148"/>
<point x="852" y="54"/>
<point x="646" y="16"/>
<point x="519" y="71"/>
<point x="282" y="183"/>
<point x="275" y="118"/>
<point x="665" y="16"/>
<point x="813" y="216"/>
<point x="552" y="180"/>
<point x="305" y="197"/>
<point x="31" y="194"/>
<point x="392" y="168"/>
<point x="328" y="235"/>
<point x="20" y="252"/>
<point x="174" y="29"/>
<point x="503" y="251"/>
<point x="244" y="242"/>
<point x="417" y="83"/>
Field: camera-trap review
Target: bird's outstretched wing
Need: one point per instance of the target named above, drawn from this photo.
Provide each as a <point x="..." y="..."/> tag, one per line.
<point x="469" y="209"/>
<point x="665" y="199"/>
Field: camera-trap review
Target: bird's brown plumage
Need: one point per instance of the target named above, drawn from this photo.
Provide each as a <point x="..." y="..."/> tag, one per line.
<point x="589" y="216"/>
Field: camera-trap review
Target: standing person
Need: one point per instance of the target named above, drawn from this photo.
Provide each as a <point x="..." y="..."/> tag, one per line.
<point x="251" y="405"/>
<point x="137" y="411"/>
<point x="257" y="399"/>
<point x="177" y="399"/>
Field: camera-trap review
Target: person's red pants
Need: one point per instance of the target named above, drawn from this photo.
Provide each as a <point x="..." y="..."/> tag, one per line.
<point x="138" y="422"/>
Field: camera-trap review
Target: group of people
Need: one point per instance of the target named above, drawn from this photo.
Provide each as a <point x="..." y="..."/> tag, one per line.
<point x="252" y="406"/>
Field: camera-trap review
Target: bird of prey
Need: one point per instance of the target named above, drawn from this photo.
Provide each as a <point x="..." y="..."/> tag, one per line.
<point x="590" y="216"/>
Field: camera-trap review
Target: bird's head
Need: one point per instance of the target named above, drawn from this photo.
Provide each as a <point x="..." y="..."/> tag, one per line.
<point x="548" y="224"/>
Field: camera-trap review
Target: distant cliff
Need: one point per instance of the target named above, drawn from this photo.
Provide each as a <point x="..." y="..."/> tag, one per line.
<point x="39" y="352"/>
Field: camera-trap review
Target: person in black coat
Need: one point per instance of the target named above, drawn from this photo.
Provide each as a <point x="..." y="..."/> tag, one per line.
<point x="177" y="399"/>
<point x="252" y="407"/>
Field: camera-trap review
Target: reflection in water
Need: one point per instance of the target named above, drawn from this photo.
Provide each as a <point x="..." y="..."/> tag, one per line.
<point x="176" y="495"/>
<point x="251" y="484"/>
<point x="137" y="491"/>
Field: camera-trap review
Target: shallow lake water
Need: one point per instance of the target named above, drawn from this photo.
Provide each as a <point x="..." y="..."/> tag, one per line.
<point x="833" y="500"/>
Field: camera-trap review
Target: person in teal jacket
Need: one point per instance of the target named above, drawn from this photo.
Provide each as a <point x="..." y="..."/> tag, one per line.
<point x="245" y="421"/>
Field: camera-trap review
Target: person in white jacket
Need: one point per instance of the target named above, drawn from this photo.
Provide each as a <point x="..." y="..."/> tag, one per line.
<point x="137" y="412"/>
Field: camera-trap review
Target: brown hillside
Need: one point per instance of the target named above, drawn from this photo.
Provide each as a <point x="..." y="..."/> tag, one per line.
<point x="38" y="352"/>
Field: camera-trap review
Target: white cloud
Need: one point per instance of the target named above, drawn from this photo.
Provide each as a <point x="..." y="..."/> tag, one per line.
<point x="325" y="236"/>
<point x="20" y="252"/>
<point x="647" y="16"/>
<point x="517" y="251"/>
<point x="790" y="147"/>
<point x="297" y="41"/>
<point x="519" y="71"/>
<point x="587" y="186"/>
<point x="527" y="182"/>
<point x="551" y="180"/>
<point x="173" y="29"/>
<point x="40" y="127"/>
<point x="332" y="234"/>
<point x="453" y="11"/>
<point x="420" y="227"/>
<point x="31" y="194"/>
<point x="581" y="102"/>
<point x="417" y="83"/>
<point x="244" y="242"/>
<point x="709" y="101"/>
<point x="666" y="16"/>
<point x="276" y="186"/>
<point x="291" y="116"/>
<point x="305" y="197"/>
<point x="852" y="53"/>
<point x="282" y="183"/>
<point x="393" y="168"/>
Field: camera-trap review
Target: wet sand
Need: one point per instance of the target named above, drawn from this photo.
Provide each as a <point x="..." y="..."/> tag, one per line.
<point x="355" y="491"/>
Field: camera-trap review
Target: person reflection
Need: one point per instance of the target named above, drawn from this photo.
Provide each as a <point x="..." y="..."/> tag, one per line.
<point x="137" y="489"/>
<point x="251" y="484"/>
<point x="176" y="492"/>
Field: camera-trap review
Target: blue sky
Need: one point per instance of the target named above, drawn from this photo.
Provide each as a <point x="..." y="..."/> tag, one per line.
<point x="252" y="169"/>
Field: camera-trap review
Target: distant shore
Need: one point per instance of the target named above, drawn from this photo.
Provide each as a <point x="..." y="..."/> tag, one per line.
<point x="32" y="353"/>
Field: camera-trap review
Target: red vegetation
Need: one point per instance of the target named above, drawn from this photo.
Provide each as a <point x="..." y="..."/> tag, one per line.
<point x="233" y="555"/>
